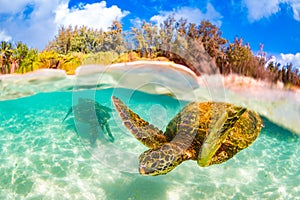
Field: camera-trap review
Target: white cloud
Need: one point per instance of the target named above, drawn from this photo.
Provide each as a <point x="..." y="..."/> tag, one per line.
<point x="290" y="58"/>
<point x="4" y="36"/>
<point x="193" y="15"/>
<point x="35" y="22"/>
<point x="296" y="10"/>
<point x="285" y="59"/>
<point x="95" y="15"/>
<point x="13" y="6"/>
<point x="258" y="9"/>
<point x="29" y="21"/>
<point x="136" y="22"/>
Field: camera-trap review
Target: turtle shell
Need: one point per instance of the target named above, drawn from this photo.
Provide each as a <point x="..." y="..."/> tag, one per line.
<point x="195" y="122"/>
<point x="90" y="111"/>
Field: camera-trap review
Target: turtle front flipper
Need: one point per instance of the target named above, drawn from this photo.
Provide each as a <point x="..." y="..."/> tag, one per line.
<point x="146" y="133"/>
<point x="218" y="134"/>
<point x="106" y="109"/>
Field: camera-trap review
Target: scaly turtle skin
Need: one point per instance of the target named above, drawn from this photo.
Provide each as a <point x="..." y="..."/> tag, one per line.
<point x="91" y="112"/>
<point x="208" y="132"/>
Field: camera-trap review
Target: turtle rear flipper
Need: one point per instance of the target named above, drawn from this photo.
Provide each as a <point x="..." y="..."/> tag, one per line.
<point x="146" y="133"/>
<point x="105" y="129"/>
<point x="69" y="112"/>
<point x="218" y="134"/>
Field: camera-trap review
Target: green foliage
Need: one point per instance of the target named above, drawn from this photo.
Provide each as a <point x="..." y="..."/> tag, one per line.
<point x="135" y="56"/>
<point x="287" y="74"/>
<point x="70" y="62"/>
<point x="86" y="40"/>
<point x="17" y="58"/>
<point x="197" y="46"/>
<point x="54" y="60"/>
<point x="101" y="58"/>
<point x="239" y="59"/>
<point x="48" y="59"/>
<point x="5" y="57"/>
<point x="27" y="63"/>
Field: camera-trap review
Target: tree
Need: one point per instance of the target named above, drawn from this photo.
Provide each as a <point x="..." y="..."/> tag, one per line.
<point x="48" y="59"/>
<point x="18" y="55"/>
<point x="210" y="36"/>
<point x="199" y="47"/>
<point x="28" y="61"/>
<point x="62" y="41"/>
<point x="5" y="56"/>
<point x="140" y="40"/>
<point x="116" y="37"/>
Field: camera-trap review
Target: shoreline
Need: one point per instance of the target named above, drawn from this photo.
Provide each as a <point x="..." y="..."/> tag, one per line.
<point x="231" y="81"/>
<point x="278" y="104"/>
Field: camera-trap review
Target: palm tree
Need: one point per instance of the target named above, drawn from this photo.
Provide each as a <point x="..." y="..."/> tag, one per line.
<point x="19" y="53"/>
<point x="5" y="56"/>
<point x="27" y="63"/>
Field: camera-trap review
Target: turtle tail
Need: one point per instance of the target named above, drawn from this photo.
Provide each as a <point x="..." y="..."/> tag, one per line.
<point x="146" y="133"/>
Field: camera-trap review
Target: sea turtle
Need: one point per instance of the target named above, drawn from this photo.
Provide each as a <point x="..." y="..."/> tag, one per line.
<point x="208" y="132"/>
<point x="91" y="112"/>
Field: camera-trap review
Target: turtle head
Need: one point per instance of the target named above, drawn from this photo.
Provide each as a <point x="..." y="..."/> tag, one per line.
<point x="162" y="160"/>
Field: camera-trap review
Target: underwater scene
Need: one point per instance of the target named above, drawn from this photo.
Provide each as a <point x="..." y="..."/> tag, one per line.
<point x="149" y="100"/>
<point x="48" y="153"/>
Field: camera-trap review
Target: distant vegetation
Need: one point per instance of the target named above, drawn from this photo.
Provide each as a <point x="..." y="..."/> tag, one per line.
<point x="192" y="45"/>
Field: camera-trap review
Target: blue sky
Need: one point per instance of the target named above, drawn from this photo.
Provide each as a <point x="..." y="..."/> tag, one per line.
<point x="274" y="23"/>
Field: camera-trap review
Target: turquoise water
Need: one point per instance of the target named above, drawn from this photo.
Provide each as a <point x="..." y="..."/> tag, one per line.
<point x="45" y="158"/>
